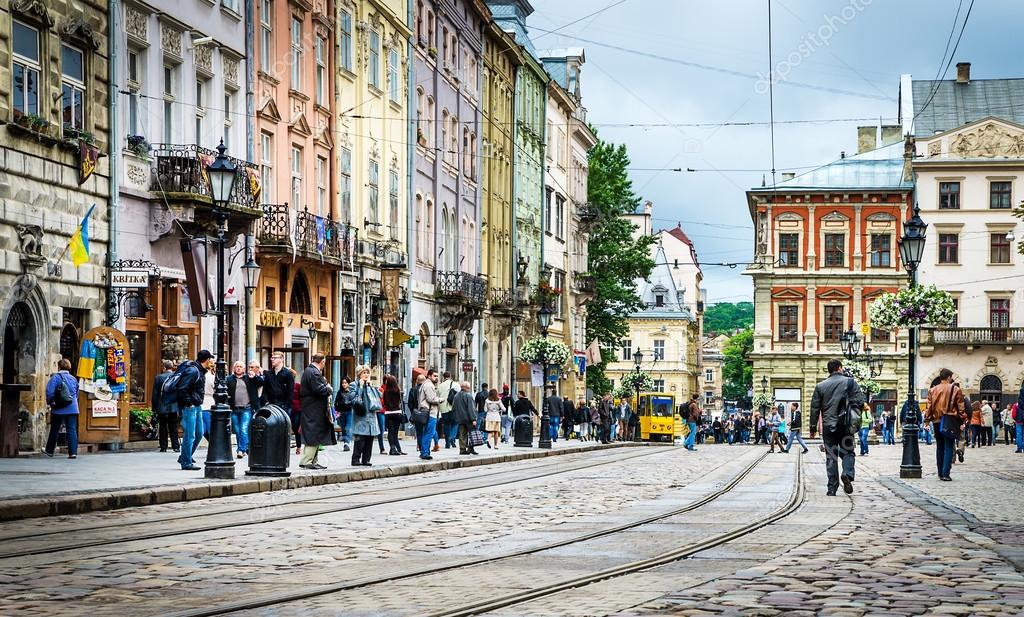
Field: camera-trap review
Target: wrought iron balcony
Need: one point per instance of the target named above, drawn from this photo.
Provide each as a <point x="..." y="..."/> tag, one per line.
<point x="179" y="174"/>
<point x="504" y="299"/>
<point x="588" y="214"/>
<point x="310" y="237"/>
<point x="973" y="336"/>
<point x="585" y="283"/>
<point x="462" y="287"/>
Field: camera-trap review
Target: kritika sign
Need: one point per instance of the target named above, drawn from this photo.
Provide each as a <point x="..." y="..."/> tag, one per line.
<point x="134" y="279"/>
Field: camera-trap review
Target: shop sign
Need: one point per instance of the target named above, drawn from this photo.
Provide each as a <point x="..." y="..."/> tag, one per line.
<point x="271" y="319"/>
<point x="129" y="279"/>
<point x="104" y="409"/>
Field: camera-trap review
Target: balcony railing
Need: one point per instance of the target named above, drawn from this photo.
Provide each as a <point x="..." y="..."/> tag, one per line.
<point x="977" y="336"/>
<point x="181" y="168"/>
<point x="311" y="236"/>
<point x="588" y="214"/>
<point x="463" y="287"/>
<point x="585" y="283"/>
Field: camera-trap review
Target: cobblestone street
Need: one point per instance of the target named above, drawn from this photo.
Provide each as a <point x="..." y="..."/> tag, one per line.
<point x="724" y="530"/>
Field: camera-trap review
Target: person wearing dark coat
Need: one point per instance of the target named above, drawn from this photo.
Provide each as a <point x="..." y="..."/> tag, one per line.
<point x="568" y="417"/>
<point x="317" y="424"/>
<point x="279" y="388"/>
<point x="464" y="415"/>
<point x="166" y="415"/>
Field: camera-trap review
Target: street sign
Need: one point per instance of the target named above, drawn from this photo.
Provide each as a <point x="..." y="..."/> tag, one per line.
<point x="400" y="337"/>
<point x="129" y="279"/>
<point x="865" y="328"/>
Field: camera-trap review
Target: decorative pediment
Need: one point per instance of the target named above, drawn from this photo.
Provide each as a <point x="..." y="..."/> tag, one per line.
<point x="871" y="295"/>
<point x="834" y="294"/>
<point x="170" y="40"/>
<point x="76" y="29"/>
<point x="835" y="215"/>
<point x="269" y="111"/>
<point x="988" y="141"/>
<point x="300" y="126"/>
<point x="323" y="137"/>
<point x="135" y="25"/>
<point x="788" y="293"/>
<point x="789" y="216"/>
<point x="882" y="217"/>
<point x="34" y="9"/>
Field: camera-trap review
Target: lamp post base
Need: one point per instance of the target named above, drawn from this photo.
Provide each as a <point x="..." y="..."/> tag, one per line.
<point x="545" y="433"/>
<point x="220" y="465"/>
<point x="910" y="467"/>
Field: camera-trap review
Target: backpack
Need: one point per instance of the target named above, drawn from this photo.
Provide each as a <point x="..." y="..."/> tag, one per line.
<point x="61" y="394"/>
<point x="172" y="386"/>
<point x="451" y="395"/>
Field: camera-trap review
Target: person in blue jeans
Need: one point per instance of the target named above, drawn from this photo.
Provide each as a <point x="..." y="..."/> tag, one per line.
<point x="429" y="401"/>
<point x="946" y="403"/>
<point x="63" y="408"/>
<point x="188" y="393"/>
<point x="866" y="421"/>
<point x="243" y="397"/>
<point x="925" y="433"/>
<point x="692" y="411"/>
<point x="554" y="405"/>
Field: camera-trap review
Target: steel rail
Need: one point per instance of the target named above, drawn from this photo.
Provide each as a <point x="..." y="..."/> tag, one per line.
<point x="323" y="590"/>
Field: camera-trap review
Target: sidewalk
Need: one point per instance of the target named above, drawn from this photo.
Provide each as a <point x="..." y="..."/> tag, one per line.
<point x="37" y="485"/>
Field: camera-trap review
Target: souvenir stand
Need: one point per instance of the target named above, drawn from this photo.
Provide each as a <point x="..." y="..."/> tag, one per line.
<point x="103" y="399"/>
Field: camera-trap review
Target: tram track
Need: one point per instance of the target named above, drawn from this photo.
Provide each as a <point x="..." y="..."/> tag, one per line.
<point x="332" y="588"/>
<point x="474" y="482"/>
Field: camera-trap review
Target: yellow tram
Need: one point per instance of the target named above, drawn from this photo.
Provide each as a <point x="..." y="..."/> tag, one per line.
<point x="658" y="418"/>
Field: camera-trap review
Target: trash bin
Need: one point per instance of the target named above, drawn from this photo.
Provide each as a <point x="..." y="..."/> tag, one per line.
<point x="522" y="430"/>
<point x="270" y="440"/>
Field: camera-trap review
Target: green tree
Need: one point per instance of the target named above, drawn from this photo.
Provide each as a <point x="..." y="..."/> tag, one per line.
<point x="615" y="258"/>
<point x="737" y="373"/>
<point x="727" y="317"/>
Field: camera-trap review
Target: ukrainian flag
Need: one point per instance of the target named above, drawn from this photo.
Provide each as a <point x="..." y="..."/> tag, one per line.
<point x="80" y="241"/>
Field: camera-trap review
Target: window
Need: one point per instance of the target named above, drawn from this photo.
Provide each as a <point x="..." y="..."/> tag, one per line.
<point x="444" y="46"/>
<point x="453" y="144"/>
<point x="321" y="186"/>
<point x="345" y="185"/>
<point x="373" y="65"/>
<point x="627" y="350"/>
<point x="789" y="324"/>
<point x="348" y="308"/>
<point x="421" y="240"/>
<point x="1000" y="248"/>
<point x="430" y="124"/>
<point x="72" y="69"/>
<point x="659" y="385"/>
<point x="229" y="120"/>
<point x="136" y="78"/>
<point x="345" y="40"/>
<point x="659" y="349"/>
<point x="296" y="54"/>
<point x="465" y="150"/>
<point x="444" y="133"/>
<point x="789" y="250"/>
<point x="296" y="177"/>
<point x="200" y="109"/>
<point x="393" y="75"/>
<point x="230" y="4"/>
<point x="472" y="156"/>
<point x="428" y="248"/>
<point x="559" y="216"/>
<point x="559" y="284"/>
<point x="956" y="313"/>
<point x="373" y="191"/>
<point x="321" y="71"/>
<point x="999" y="195"/>
<point x="709" y="375"/>
<point x="393" y="201"/>
<point x="266" y="166"/>
<point x="266" y="32"/>
<point x="659" y="299"/>
<point x="881" y="250"/>
<point x="835" y="254"/>
<point x="949" y="195"/>
<point x="834" y="318"/>
<point x="879" y="336"/>
<point x="26" y="69"/>
<point x="170" y="88"/>
<point x="709" y="398"/>
<point x="999" y="312"/>
<point x="949" y="248"/>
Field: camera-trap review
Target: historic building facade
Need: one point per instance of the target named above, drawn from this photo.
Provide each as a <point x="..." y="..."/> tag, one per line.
<point x="54" y="102"/>
<point x="710" y="373"/>
<point x="448" y="292"/>
<point x="825" y="246"/>
<point x="182" y="75"/>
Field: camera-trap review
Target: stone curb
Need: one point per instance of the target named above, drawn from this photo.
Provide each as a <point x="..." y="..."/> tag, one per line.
<point x="44" y="505"/>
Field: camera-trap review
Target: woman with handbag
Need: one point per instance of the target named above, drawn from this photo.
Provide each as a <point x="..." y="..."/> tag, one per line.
<point x="365" y="405"/>
<point x="947" y="413"/>
<point x="394" y="416"/>
<point x="493" y="410"/>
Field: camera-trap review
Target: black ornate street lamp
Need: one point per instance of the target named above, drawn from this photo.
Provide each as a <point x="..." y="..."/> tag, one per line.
<point x="911" y="251"/>
<point x="219" y="462"/>
<point x="764" y="395"/>
<point x="544" y="321"/>
<point x="849" y="342"/>
<point x="638" y="358"/>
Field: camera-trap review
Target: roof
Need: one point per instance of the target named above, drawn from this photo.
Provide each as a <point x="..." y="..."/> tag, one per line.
<point x="511" y="16"/>
<point x="661" y="283"/>
<point x="955" y="104"/>
<point x="680" y="235"/>
<point x="881" y="168"/>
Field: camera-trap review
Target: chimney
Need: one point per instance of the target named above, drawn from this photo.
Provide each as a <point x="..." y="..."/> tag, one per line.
<point x="867" y="138"/>
<point x="648" y="207"/>
<point x="909" y="147"/>
<point x="891" y="134"/>
<point x="788" y="175"/>
<point x="963" y="72"/>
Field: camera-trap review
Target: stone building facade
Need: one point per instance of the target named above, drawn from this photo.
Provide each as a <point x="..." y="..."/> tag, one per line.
<point x="54" y="91"/>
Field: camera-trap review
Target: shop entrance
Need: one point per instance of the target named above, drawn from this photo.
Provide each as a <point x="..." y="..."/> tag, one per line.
<point x="19" y="358"/>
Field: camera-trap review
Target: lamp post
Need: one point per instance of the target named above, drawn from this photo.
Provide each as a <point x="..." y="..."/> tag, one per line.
<point x="544" y="321"/>
<point x="219" y="462"/>
<point x="638" y="358"/>
<point x="251" y="274"/>
<point x="911" y="250"/>
<point x="849" y="342"/>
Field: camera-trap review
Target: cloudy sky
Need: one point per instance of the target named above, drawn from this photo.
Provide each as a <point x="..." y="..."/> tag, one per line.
<point x="700" y="62"/>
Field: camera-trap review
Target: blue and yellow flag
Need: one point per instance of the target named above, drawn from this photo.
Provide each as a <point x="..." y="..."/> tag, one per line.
<point x="80" y="241"/>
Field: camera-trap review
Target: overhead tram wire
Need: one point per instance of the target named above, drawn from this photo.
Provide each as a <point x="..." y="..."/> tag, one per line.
<point x="576" y="21"/>
<point x="941" y="72"/>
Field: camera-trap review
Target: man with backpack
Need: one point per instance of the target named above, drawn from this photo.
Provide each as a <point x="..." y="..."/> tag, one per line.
<point x="692" y="421"/>
<point x="166" y="413"/>
<point x="62" y="397"/>
<point x="186" y="389"/>
<point x="837" y="400"/>
<point x="447" y="391"/>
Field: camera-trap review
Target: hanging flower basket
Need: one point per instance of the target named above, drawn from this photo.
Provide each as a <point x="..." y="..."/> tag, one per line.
<point x="630" y="382"/>
<point x="912" y="307"/>
<point x="862" y="375"/>
<point x="763" y="399"/>
<point x="541" y="349"/>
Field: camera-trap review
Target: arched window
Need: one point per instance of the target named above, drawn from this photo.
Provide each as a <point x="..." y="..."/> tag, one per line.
<point x="420" y="109"/>
<point x="430" y="29"/>
<point x="300" y="302"/>
<point x="419" y="21"/>
<point x="428" y="242"/>
<point x="424" y="351"/>
<point x="991" y="390"/>
<point x="453" y="146"/>
<point x="430" y="122"/>
<point x="444" y="134"/>
<point x="421" y="239"/>
<point x="444" y="256"/>
<point x="471" y="252"/>
<point x="465" y="151"/>
<point x="472" y="156"/>
<point x="464" y="231"/>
